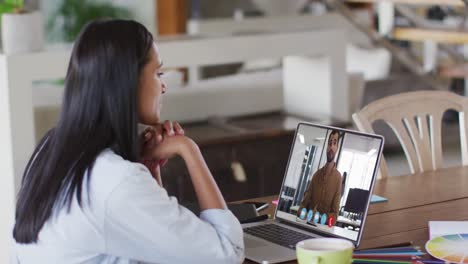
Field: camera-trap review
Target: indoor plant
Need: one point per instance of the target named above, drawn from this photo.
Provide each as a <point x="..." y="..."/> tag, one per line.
<point x="71" y="15"/>
<point x="21" y="30"/>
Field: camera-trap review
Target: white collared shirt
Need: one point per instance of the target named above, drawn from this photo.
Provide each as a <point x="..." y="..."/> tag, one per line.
<point x="131" y="219"/>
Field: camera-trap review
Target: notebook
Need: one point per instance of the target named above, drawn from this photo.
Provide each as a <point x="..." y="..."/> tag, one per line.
<point x="377" y="199"/>
<point x="441" y="228"/>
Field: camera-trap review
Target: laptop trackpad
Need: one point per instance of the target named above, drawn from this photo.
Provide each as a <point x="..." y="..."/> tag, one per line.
<point x="254" y="243"/>
<point x="260" y="251"/>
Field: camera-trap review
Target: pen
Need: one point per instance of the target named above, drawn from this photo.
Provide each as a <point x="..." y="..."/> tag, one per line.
<point x="256" y="219"/>
<point x="389" y="249"/>
<point x="402" y="250"/>
<point x="404" y="244"/>
<point x="380" y="261"/>
<point x="431" y="262"/>
<point x="398" y="258"/>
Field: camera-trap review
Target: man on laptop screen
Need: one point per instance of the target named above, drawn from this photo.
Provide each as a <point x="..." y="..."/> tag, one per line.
<point x="324" y="192"/>
<point x="315" y="193"/>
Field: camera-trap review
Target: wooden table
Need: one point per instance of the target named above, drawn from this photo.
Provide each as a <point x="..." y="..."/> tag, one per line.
<point x="413" y="200"/>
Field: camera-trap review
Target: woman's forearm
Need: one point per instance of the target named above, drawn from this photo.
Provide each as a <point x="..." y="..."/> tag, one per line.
<point x="208" y="194"/>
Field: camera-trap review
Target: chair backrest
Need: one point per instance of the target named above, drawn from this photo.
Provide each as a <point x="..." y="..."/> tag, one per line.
<point x="416" y="119"/>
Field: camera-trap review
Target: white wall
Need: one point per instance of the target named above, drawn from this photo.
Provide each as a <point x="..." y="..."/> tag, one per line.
<point x="7" y="185"/>
<point x="144" y="11"/>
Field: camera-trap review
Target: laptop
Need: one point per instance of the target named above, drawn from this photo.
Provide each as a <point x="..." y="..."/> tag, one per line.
<point x="325" y="192"/>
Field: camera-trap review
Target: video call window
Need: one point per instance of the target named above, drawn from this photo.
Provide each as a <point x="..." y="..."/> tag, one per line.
<point x="328" y="180"/>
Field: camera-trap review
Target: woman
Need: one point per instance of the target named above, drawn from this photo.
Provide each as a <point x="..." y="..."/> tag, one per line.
<point x="85" y="198"/>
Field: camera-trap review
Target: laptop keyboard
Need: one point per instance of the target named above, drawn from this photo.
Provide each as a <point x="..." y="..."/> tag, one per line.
<point x="277" y="234"/>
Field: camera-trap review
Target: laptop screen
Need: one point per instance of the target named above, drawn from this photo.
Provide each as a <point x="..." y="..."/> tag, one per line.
<point x="329" y="180"/>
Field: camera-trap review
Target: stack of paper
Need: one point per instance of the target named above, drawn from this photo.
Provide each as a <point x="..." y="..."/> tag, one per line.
<point x="442" y="228"/>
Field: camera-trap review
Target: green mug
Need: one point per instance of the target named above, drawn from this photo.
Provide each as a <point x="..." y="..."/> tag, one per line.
<point x="325" y="251"/>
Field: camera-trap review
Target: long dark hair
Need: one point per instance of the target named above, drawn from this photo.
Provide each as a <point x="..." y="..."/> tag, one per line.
<point x="99" y="111"/>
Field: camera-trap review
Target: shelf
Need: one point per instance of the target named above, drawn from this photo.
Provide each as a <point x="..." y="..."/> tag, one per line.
<point x="441" y="36"/>
<point x="414" y="2"/>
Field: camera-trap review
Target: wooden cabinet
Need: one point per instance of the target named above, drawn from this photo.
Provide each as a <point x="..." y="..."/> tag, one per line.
<point x="262" y="159"/>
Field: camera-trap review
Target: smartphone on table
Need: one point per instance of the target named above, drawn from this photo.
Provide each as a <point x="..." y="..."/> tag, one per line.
<point x="259" y="206"/>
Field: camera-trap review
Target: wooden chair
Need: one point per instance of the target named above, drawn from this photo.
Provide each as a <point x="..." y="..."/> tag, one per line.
<point x="416" y="119"/>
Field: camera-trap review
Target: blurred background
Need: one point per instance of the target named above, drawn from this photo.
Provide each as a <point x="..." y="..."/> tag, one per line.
<point x="243" y="73"/>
